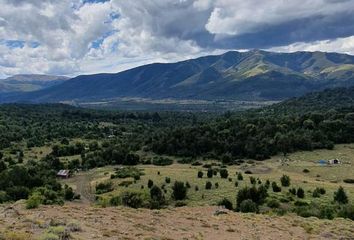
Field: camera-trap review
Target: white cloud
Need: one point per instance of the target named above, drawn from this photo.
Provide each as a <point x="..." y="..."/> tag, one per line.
<point x="341" y="45"/>
<point x="235" y="17"/>
<point x="74" y="37"/>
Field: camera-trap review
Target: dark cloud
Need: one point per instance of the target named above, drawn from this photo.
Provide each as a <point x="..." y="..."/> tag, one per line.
<point x="302" y="30"/>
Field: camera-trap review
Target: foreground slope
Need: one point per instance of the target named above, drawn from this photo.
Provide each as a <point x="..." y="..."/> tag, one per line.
<point x="253" y="75"/>
<point x="86" y="222"/>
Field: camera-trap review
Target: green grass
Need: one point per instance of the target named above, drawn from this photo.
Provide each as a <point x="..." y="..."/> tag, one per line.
<point x="328" y="177"/>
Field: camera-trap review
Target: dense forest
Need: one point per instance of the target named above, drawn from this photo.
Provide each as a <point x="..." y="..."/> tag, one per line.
<point x="114" y="137"/>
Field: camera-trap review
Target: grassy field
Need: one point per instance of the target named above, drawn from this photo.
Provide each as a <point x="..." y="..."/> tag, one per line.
<point x="329" y="177"/>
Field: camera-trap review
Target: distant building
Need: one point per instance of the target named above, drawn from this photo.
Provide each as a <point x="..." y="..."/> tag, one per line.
<point x="63" y="174"/>
<point x="333" y="161"/>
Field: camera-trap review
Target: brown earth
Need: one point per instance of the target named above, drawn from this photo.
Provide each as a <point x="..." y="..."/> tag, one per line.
<point x="175" y="223"/>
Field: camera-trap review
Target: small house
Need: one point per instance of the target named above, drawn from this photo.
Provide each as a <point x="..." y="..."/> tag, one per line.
<point x="63" y="174"/>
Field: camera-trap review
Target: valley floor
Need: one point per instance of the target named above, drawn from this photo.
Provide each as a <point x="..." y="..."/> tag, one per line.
<point x="16" y="222"/>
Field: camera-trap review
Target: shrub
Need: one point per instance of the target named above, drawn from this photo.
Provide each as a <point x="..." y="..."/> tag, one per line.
<point x="34" y="201"/>
<point x="104" y="187"/>
<point x="275" y="187"/>
<point x="180" y="204"/>
<point x="150" y="183"/>
<point x="157" y="197"/>
<point x="322" y="191"/>
<point x="300" y="193"/>
<point x="188" y="185"/>
<point x="239" y="177"/>
<point x="132" y="199"/>
<point x="300" y="203"/>
<point x="340" y="196"/>
<point x="179" y="191"/>
<point x="162" y="161"/>
<point x="167" y="180"/>
<point x="216" y="185"/>
<point x="115" y="201"/>
<point x="318" y="192"/>
<point x="273" y="203"/>
<point x="253" y="180"/>
<point x="306" y="211"/>
<point x="208" y="185"/>
<point x="285" y="181"/>
<point x="69" y="193"/>
<point x="267" y="184"/>
<point x="73" y="226"/>
<point x="230" y="179"/>
<point x="248" y="205"/>
<point x="200" y="174"/>
<point x="306" y="170"/>
<point x="126" y="172"/>
<point x="292" y="191"/>
<point x="224" y="173"/>
<point x="236" y="184"/>
<point x="257" y="195"/>
<point x="3" y="197"/>
<point x="210" y="173"/>
<point x="226" y="203"/>
<point x="196" y="188"/>
<point x="49" y="236"/>
<point x="348" y="180"/>
<point x="347" y="211"/>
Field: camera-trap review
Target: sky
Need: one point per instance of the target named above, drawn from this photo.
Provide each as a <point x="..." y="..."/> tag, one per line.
<point x="73" y="37"/>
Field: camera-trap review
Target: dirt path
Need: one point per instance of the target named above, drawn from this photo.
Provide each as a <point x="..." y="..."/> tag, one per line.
<point x="82" y="183"/>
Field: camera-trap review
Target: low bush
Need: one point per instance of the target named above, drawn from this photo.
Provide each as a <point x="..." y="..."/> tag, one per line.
<point x="104" y="187"/>
<point x="285" y="181"/>
<point x="208" y="185"/>
<point x="125" y="172"/>
<point x="257" y="195"/>
<point x="275" y="187"/>
<point x="150" y="183"/>
<point x="348" y="180"/>
<point x="179" y="191"/>
<point x="340" y="196"/>
<point x="34" y="201"/>
<point x="248" y="206"/>
<point x="115" y="201"/>
<point x="210" y="173"/>
<point x="300" y="193"/>
<point x="162" y="161"/>
<point x="132" y="199"/>
<point x="167" y="180"/>
<point x="226" y="203"/>
<point x="224" y="173"/>
<point x="273" y="203"/>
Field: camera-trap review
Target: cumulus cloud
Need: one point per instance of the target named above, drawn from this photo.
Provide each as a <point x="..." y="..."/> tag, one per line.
<point x="342" y="45"/>
<point x="236" y="17"/>
<point x="86" y="36"/>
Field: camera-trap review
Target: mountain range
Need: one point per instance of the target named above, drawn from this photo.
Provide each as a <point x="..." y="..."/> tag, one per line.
<point x="253" y="75"/>
<point x="29" y="82"/>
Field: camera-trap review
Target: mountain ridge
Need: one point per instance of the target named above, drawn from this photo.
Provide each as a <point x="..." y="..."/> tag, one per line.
<point x="252" y="75"/>
<point x="29" y="82"/>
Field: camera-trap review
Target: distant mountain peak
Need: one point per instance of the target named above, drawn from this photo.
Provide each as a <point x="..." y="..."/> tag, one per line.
<point x="251" y="75"/>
